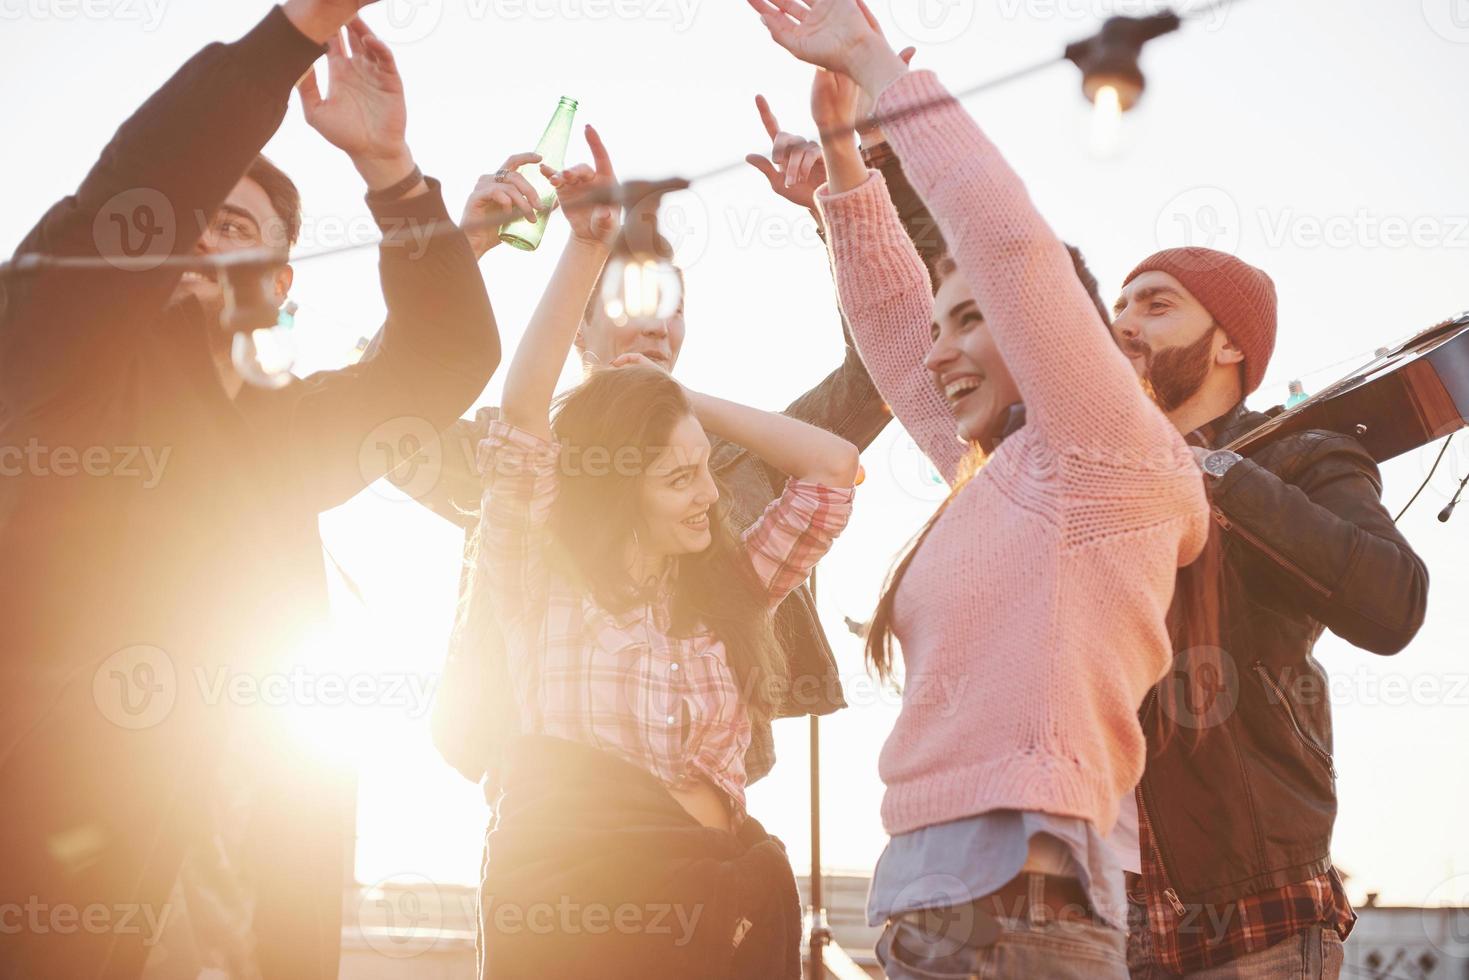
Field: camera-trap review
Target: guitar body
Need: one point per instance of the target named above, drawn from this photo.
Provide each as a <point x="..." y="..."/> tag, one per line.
<point x="1408" y="397"/>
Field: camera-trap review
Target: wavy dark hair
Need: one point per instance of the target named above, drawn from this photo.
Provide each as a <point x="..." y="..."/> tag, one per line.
<point x="621" y="416"/>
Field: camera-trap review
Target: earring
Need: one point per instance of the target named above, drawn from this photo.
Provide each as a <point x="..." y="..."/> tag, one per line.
<point x="286" y="317"/>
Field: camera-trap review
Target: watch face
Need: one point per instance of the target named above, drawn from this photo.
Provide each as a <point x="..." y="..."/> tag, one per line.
<point x="1218" y="463"/>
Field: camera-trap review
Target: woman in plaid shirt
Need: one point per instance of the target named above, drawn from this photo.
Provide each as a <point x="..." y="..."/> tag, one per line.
<point x="638" y="623"/>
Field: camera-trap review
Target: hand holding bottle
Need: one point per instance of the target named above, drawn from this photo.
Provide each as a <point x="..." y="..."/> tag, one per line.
<point x="497" y="198"/>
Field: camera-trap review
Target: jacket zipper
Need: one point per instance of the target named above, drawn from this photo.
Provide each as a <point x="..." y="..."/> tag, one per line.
<point x="1291" y="715"/>
<point x="1169" y="893"/>
<point x="1272" y="554"/>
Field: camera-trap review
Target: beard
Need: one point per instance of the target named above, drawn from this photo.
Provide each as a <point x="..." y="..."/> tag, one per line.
<point x="1175" y="374"/>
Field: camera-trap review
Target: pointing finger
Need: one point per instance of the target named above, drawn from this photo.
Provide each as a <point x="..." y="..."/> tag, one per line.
<point x="766" y="116"/>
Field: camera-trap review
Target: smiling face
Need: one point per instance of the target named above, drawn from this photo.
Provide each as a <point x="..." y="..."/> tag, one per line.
<point x="246" y="220"/>
<point x="676" y="494"/>
<point x="1172" y="341"/>
<point x="967" y="368"/>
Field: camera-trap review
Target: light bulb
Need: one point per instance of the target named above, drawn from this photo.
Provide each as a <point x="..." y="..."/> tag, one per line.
<point x="264" y="357"/>
<point x="1106" y="120"/>
<point x="640" y="289"/>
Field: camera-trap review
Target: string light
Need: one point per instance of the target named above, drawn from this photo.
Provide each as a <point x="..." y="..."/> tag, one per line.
<point x="641" y="283"/>
<point x="1106" y="120"/>
<point x="262" y="349"/>
<point x="264" y="357"/>
<point x="30" y="263"/>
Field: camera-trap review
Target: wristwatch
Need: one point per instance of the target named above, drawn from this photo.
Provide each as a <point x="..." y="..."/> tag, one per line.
<point x="1217" y="463"/>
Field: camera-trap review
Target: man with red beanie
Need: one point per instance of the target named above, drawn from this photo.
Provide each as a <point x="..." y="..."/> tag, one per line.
<point x="1233" y="875"/>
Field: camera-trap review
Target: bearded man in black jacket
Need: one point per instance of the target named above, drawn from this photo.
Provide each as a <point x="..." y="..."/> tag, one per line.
<point x="1238" y="800"/>
<point x="160" y="538"/>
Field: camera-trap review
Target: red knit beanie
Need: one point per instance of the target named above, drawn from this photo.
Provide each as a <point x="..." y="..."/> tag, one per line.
<point x="1239" y="297"/>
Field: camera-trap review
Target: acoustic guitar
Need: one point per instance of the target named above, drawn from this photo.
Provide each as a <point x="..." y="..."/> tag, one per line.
<point x="1404" y="398"/>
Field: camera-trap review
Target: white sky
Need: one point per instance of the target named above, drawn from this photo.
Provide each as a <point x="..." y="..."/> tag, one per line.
<point x="1308" y="136"/>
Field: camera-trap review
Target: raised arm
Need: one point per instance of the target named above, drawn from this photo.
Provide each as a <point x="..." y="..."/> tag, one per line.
<point x="885" y="291"/>
<point x="531" y="383"/>
<point x="798" y="449"/>
<point x="845" y="402"/>
<point x="1078" y="388"/>
<point x="177" y="157"/>
<point x="438" y="346"/>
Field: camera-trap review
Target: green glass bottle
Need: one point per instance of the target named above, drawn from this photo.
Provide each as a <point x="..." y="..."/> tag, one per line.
<point x="521" y="232"/>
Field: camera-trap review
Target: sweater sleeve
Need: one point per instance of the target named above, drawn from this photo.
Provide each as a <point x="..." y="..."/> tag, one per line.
<point x="1078" y="388"/>
<point x="886" y="297"/>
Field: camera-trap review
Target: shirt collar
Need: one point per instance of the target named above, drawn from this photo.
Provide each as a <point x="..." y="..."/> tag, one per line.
<point x="1211" y="434"/>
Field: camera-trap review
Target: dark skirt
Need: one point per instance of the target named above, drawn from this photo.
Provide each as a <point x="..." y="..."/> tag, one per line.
<point x="593" y="870"/>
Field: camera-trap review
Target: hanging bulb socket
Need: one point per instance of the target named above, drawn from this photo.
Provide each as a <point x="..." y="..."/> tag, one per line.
<point x="1109" y="58"/>
<point x="247" y="285"/>
<point x="641" y="283"/>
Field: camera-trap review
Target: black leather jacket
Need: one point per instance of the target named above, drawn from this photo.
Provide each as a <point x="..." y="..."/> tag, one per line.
<point x="1241" y="791"/>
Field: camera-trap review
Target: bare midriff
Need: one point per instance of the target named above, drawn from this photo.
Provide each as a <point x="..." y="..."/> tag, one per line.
<point x="703" y="802"/>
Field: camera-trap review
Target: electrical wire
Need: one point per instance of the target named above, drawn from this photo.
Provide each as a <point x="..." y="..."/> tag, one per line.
<point x="1431" y="470"/>
<point x="34" y="262"/>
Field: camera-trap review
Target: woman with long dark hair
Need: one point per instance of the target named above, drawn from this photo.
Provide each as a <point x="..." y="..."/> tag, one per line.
<point x="1032" y="609"/>
<point x="641" y="646"/>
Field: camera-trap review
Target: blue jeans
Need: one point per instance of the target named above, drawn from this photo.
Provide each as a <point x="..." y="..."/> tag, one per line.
<point x="1314" y="953"/>
<point x="1009" y="949"/>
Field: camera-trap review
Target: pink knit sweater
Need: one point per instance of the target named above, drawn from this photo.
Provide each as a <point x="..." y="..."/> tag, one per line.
<point x="1032" y="619"/>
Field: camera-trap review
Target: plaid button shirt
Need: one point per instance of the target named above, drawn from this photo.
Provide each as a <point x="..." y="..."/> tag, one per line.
<point x="621" y="682"/>
<point x="1205" y="936"/>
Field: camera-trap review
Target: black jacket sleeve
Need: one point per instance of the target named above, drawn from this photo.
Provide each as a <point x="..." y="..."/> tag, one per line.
<point x="436" y="353"/>
<point x="455" y="495"/>
<point x="845" y="402"/>
<point x="151" y="194"/>
<point x="1330" y="541"/>
<point x="922" y="229"/>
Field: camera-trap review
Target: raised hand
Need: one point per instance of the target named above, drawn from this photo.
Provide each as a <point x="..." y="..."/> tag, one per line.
<point x="869" y="129"/>
<point x="795" y="167"/>
<point x="322" y="19"/>
<point x="593" y="224"/>
<point x="635" y="360"/>
<point x="840" y="35"/>
<point x="834" y="99"/>
<point x="364" y="113"/>
<point x="496" y="199"/>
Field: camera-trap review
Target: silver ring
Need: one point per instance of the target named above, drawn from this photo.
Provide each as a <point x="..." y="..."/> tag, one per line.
<point x="500" y="175"/>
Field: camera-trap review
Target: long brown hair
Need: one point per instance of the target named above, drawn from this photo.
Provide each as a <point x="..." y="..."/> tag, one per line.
<point x="880" y="629"/>
<point x="628" y="414"/>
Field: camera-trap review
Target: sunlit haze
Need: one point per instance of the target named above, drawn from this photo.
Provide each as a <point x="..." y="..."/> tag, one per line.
<point x="1322" y="141"/>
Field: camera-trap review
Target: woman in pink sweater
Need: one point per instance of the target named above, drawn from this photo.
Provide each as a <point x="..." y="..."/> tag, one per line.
<point x="1036" y="598"/>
